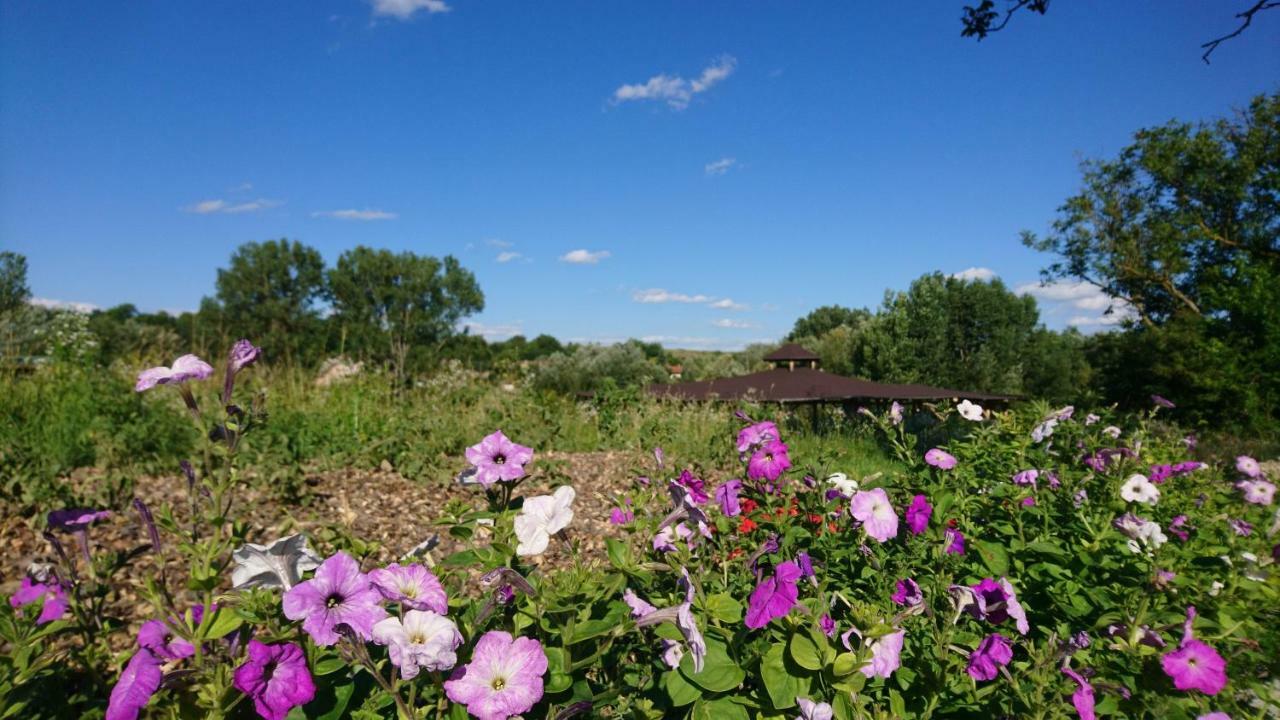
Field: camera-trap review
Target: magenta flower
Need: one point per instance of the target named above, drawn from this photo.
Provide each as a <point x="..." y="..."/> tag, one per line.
<point x="1026" y="477"/>
<point x="940" y="459"/>
<point x="276" y="678"/>
<point x="75" y="519"/>
<point x="504" y="677"/>
<point x="1248" y="466"/>
<point x="1242" y="528"/>
<point x="50" y="595"/>
<point x="497" y="459"/>
<point x="827" y="625"/>
<point x="1082" y="698"/>
<point x="774" y="598"/>
<point x="908" y="593"/>
<point x="1028" y="501"/>
<point x="139" y="681"/>
<point x="727" y="496"/>
<point x="918" y="514"/>
<point x="1195" y="665"/>
<point x="413" y="586"/>
<point x="1258" y="492"/>
<point x="696" y="486"/>
<point x="1214" y="716"/>
<point x="955" y="542"/>
<point x="873" y="509"/>
<point x="756" y="435"/>
<point x="769" y="462"/>
<point x="993" y="653"/>
<point x="243" y="354"/>
<point x="339" y="593"/>
<point x="621" y="516"/>
<point x="159" y="638"/>
<point x="187" y="367"/>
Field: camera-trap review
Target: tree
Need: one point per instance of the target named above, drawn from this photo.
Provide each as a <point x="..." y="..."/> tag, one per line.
<point x="823" y="320"/>
<point x="1184" y="228"/>
<point x="269" y="293"/>
<point x="962" y="334"/>
<point x="393" y="302"/>
<point x="14" y="292"/>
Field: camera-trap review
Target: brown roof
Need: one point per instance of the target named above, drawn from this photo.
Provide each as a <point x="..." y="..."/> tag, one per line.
<point x="791" y="351"/>
<point x="807" y="385"/>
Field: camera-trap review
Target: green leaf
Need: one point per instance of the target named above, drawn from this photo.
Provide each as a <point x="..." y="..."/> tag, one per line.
<point x="681" y="691"/>
<point x="328" y="666"/>
<point x="619" y="554"/>
<point x="1047" y="548"/>
<point x="723" y="607"/>
<point x="224" y="623"/>
<point x="993" y="556"/>
<point x="591" y="629"/>
<point x="719" y="708"/>
<point x="337" y="705"/>
<point x="805" y="652"/>
<point x="783" y="680"/>
<point x="719" y="672"/>
<point x="846" y="663"/>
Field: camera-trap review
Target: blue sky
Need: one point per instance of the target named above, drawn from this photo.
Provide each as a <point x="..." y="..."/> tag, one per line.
<point x="716" y="169"/>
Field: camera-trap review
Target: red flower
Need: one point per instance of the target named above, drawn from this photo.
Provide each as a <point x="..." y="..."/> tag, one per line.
<point x="952" y="523"/>
<point x="748" y="505"/>
<point x="747" y="525"/>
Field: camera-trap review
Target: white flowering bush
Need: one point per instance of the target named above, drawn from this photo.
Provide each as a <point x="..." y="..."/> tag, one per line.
<point x="1034" y="563"/>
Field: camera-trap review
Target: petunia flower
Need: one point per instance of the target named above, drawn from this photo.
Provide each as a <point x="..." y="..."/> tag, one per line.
<point x="1082" y="698"/>
<point x="1257" y="492"/>
<point x="503" y="679"/>
<point x="1044" y="430"/>
<point x="338" y="594"/>
<point x="940" y="459"/>
<point x="1143" y="534"/>
<point x="810" y="710"/>
<point x="993" y="653"/>
<point x="1161" y="401"/>
<point x="276" y="678"/>
<point x="895" y="413"/>
<point x="969" y="411"/>
<point x="696" y="486"/>
<point x="672" y="653"/>
<point x="1195" y="665"/>
<point x="727" y="496"/>
<point x="50" y="595"/>
<point x="886" y="655"/>
<point x="995" y="601"/>
<point x="873" y="509"/>
<point x="955" y="542"/>
<point x="413" y="586"/>
<point x="159" y="637"/>
<point x="918" y="514"/>
<point x="75" y="519"/>
<point x="621" y="516"/>
<point x="769" y="462"/>
<point x="774" y="598"/>
<point x="280" y="564"/>
<point x="1026" y="478"/>
<point x="1090" y="419"/>
<point x="827" y="625"/>
<point x="1248" y="466"/>
<point x="756" y="435"/>
<point x="541" y="517"/>
<point x="421" y="640"/>
<point x="497" y="459"/>
<point x="187" y="367"/>
<point x="1139" y="489"/>
<point x="908" y="593"/>
<point x="843" y="484"/>
<point x="639" y="607"/>
<point x="138" y="682"/>
<point x="1242" y="528"/>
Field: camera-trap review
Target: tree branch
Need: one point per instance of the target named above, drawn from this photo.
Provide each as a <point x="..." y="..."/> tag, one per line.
<point x="1247" y="16"/>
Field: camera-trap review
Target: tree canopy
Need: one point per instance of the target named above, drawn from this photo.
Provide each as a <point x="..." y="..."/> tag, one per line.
<point x="272" y="289"/>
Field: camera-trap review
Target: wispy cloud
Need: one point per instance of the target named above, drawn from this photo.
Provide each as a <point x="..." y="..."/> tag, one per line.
<point x="79" y="307"/>
<point x="405" y="9"/>
<point x="719" y="167"/>
<point x="728" y="304"/>
<point x="975" y="273"/>
<point x="242" y="187"/>
<point x="730" y="323"/>
<point x="674" y="90"/>
<point x="352" y="214"/>
<point x="222" y="207"/>
<point x="507" y="256"/>
<point x="584" y="257"/>
<point x="499" y="331"/>
<point x="658" y="295"/>
<point x="1084" y="303"/>
<point x="495" y="242"/>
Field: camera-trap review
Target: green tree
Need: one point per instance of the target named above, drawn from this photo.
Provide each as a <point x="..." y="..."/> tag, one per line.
<point x="1184" y="228"/>
<point x="823" y="320"/>
<point x="270" y="293"/>
<point x="14" y="291"/>
<point x="392" y="303"/>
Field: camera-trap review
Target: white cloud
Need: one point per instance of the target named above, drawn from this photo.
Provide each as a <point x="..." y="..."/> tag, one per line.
<point x="730" y="323"/>
<point x="584" y="257"/>
<point x="495" y="242"/>
<point x="719" y="167"/>
<point x="352" y="214"/>
<point x="676" y="91"/>
<point x="1062" y="297"/>
<point x="976" y="273"/>
<point x="219" y="206"/>
<point x="728" y="304"/>
<point x="79" y="307"/>
<point x="242" y="187"/>
<point x="500" y="331"/>
<point x="404" y="9"/>
<point x="702" y="343"/>
<point x="658" y="295"/>
<point x="507" y="256"/>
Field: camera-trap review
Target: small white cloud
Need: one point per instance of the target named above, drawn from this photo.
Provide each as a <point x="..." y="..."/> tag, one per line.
<point x="499" y="331"/>
<point x="1057" y="298"/>
<point x="365" y="214"/>
<point x="584" y="257"/>
<point x="658" y="295"/>
<point x="730" y="323"/>
<point x="79" y="307"/>
<point x="219" y="206"/>
<point x="405" y="9"/>
<point x="676" y="91"/>
<point x="495" y="242"/>
<point x="242" y="187"/>
<point x="507" y="256"/>
<point x="719" y="167"/>
<point x="976" y="273"/>
<point x="728" y="304"/>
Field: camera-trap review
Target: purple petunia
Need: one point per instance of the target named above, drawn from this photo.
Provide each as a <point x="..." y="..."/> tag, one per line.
<point x="727" y="496"/>
<point x="1082" y="698"/>
<point x="757" y="435"/>
<point x="993" y="653"/>
<point x="769" y="462"/>
<point x="75" y="519"/>
<point x="827" y="625"/>
<point x="276" y="678"/>
<point x="621" y="516"/>
<point x="413" y="586"/>
<point x="955" y="542"/>
<point x="993" y="601"/>
<point x="908" y="593"/>
<point x="918" y="514"/>
<point x="873" y="509"/>
<point x="774" y="598"/>
<point x="187" y="367"/>
<point x="159" y="638"/>
<point x="696" y="486"/>
<point x="1162" y="401"/>
<point x="1246" y="465"/>
<point x="504" y="677"/>
<point x="1257" y="492"/>
<point x="1026" y="477"/>
<point x="50" y="595"/>
<point x="940" y="459"/>
<point x="497" y="459"/>
<point x="139" y="681"/>
<point x="1195" y="665"/>
<point x="338" y="594"/>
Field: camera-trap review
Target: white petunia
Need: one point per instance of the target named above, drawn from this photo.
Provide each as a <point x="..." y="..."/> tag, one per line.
<point x="280" y="564"/>
<point x="1111" y="430"/>
<point x="1139" y="489"/>
<point x="1148" y="536"/>
<point x="424" y="640"/>
<point x="842" y="483"/>
<point x="969" y="411"/>
<point x="541" y="517"/>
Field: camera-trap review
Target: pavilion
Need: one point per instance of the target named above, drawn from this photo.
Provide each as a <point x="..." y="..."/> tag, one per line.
<point x="796" y="379"/>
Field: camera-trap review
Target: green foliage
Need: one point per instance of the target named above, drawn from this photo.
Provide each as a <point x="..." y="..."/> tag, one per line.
<point x="14" y="291"/>
<point x="588" y="368"/>
<point x="823" y="320"/>
<point x="270" y="291"/>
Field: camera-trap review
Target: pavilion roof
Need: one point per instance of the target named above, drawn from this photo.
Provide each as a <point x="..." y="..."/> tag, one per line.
<point x="791" y="351"/>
